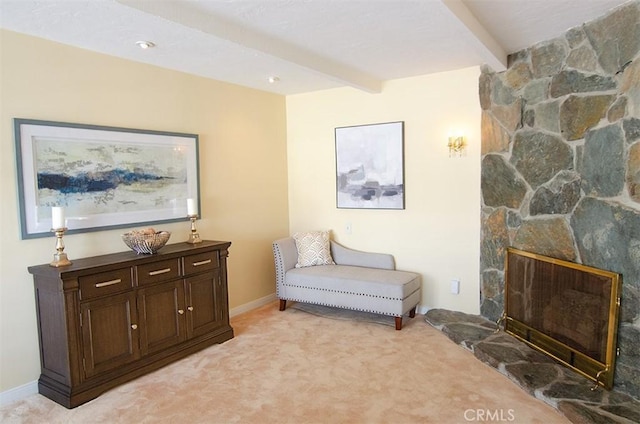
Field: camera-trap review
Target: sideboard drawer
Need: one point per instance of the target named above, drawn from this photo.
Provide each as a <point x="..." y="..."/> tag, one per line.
<point x="207" y="261"/>
<point x="158" y="271"/>
<point x="103" y="283"/>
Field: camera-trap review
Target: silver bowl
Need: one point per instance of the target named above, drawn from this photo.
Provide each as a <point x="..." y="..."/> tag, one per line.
<point x="147" y="242"/>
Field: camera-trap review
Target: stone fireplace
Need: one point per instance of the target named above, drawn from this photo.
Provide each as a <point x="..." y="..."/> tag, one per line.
<point x="561" y="164"/>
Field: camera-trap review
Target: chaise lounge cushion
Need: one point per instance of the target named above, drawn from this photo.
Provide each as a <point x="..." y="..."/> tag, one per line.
<point x="388" y="292"/>
<point x="353" y="279"/>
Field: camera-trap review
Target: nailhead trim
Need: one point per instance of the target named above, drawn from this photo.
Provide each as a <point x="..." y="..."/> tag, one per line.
<point x="279" y="267"/>
<point x="342" y="292"/>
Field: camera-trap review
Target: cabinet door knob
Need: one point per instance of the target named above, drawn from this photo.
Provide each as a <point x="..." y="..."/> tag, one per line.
<point x="180" y="311"/>
<point x="134" y="326"/>
<point x="190" y="308"/>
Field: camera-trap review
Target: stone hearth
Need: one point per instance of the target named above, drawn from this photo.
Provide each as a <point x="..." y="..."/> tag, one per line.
<point x="539" y="375"/>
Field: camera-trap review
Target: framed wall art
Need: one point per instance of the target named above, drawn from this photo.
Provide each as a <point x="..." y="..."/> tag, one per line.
<point x="104" y="177"/>
<point x="370" y="166"/>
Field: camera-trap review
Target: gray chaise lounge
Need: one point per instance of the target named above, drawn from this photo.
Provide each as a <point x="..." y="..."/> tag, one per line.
<point x="361" y="281"/>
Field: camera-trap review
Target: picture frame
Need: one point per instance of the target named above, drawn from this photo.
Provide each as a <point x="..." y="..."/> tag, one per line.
<point x="370" y="166"/>
<point x="104" y="177"/>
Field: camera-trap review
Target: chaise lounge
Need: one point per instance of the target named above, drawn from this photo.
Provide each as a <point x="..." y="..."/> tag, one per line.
<point x="343" y="278"/>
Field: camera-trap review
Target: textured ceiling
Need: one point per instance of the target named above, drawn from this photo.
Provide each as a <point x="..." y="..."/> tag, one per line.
<point x="308" y="44"/>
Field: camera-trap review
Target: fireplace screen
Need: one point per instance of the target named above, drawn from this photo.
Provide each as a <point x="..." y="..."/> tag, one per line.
<point x="566" y="310"/>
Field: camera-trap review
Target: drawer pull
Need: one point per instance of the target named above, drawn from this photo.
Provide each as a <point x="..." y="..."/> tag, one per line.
<point x="208" y="261"/>
<point x="190" y="308"/>
<point x="134" y="326"/>
<point x="160" y="271"/>
<point x="108" y="283"/>
<point x="181" y="311"/>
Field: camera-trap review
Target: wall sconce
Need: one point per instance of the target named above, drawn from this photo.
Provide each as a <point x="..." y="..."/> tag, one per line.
<point x="457" y="145"/>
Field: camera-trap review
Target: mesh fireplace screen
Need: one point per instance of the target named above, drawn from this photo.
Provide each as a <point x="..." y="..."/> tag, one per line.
<point x="567" y="310"/>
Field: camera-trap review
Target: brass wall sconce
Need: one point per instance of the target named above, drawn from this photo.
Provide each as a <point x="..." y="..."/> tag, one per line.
<point x="457" y="145"/>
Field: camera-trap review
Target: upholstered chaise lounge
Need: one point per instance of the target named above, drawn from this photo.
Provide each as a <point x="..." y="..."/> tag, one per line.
<point x="349" y="279"/>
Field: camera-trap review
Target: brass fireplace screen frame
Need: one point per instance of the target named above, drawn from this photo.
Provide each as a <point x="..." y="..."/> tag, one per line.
<point x="600" y="367"/>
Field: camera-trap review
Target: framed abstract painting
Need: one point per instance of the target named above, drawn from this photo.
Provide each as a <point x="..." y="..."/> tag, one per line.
<point x="370" y="166"/>
<point x="104" y="177"/>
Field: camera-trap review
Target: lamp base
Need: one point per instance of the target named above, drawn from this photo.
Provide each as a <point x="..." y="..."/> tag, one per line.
<point x="60" y="259"/>
<point x="194" y="238"/>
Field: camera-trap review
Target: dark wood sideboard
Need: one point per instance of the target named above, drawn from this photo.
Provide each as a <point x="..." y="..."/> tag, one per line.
<point x="108" y="319"/>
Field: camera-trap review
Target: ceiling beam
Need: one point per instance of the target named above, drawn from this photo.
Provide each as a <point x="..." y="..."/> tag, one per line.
<point x="192" y="17"/>
<point x="490" y="50"/>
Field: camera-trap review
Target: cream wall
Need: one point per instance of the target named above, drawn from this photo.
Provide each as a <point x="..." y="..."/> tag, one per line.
<point x="243" y="169"/>
<point x="438" y="233"/>
<point x="249" y="142"/>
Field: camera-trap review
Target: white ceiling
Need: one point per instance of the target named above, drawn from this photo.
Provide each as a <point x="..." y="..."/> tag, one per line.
<point x="308" y="44"/>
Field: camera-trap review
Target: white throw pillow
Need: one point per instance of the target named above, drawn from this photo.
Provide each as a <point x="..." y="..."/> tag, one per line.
<point x="313" y="248"/>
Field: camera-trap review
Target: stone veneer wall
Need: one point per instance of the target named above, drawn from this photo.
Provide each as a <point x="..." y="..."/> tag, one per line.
<point x="561" y="163"/>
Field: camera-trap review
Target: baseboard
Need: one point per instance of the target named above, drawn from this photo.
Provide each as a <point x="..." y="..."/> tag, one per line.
<point x="252" y="305"/>
<point x="18" y="393"/>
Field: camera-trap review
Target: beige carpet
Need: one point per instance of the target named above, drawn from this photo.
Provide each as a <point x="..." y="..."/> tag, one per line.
<point x="297" y="367"/>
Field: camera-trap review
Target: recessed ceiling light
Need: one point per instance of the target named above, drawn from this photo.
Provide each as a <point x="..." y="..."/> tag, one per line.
<point x="145" y="44"/>
<point x="273" y="80"/>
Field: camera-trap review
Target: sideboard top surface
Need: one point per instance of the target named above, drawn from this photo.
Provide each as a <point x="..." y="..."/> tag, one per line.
<point x="123" y="259"/>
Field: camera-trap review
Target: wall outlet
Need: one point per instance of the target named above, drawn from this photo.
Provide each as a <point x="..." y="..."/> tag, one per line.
<point x="348" y="228"/>
<point x="455" y="286"/>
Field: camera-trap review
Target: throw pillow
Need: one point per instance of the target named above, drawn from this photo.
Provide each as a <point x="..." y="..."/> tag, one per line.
<point x="313" y="248"/>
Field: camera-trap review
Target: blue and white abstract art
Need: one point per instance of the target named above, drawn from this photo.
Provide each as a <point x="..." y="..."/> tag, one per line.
<point x="104" y="177"/>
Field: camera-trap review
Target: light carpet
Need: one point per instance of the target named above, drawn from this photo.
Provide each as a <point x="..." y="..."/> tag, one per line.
<point x="296" y="367"/>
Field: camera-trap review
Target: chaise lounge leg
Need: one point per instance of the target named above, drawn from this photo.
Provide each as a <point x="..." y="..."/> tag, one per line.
<point x="283" y="304"/>
<point x="412" y="314"/>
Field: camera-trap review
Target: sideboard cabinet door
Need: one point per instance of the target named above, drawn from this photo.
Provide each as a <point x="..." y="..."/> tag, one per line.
<point x="162" y="316"/>
<point x="109" y="333"/>
<point x="203" y="315"/>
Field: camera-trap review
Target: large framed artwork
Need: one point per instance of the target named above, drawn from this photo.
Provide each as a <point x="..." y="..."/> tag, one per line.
<point x="370" y="166"/>
<point x="104" y="177"/>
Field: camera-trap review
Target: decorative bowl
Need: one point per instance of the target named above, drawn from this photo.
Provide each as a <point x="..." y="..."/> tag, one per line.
<point x="147" y="241"/>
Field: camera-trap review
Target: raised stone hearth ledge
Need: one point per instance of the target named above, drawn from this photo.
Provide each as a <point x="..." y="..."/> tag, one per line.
<point x="538" y="374"/>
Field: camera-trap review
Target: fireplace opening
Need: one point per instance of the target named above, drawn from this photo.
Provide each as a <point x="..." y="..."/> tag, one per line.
<point x="566" y="310"/>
